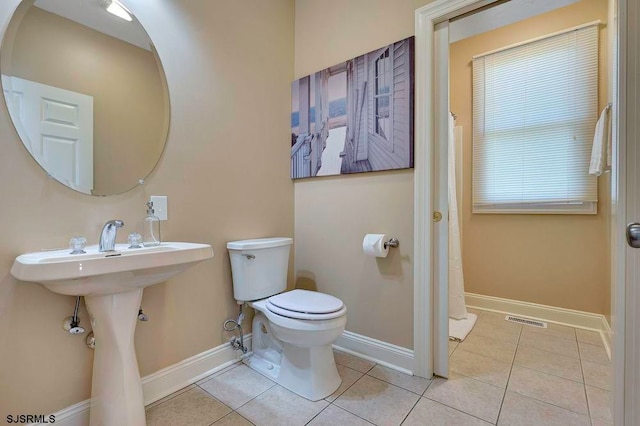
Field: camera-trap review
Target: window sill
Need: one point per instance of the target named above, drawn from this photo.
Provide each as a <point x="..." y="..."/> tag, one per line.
<point x="581" y="208"/>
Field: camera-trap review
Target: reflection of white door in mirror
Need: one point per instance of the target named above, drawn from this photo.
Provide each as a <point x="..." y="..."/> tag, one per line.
<point x="58" y="124"/>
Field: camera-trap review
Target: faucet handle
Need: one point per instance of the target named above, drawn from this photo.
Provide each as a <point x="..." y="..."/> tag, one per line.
<point x="135" y="240"/>
<point x="77" y="245"/>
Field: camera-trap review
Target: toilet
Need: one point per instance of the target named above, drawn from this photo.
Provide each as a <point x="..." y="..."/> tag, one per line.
<point x="293" y="331"/>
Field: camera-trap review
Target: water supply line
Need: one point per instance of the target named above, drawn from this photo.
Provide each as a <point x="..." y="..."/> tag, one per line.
<point x="236" y="342"/>
<point x="72" y="323"/>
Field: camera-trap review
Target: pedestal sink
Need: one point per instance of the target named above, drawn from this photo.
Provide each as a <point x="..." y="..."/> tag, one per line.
<point x="111" y="284"/>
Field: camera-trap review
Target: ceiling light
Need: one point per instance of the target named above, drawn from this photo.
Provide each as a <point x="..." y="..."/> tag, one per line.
<point x="116" y="8"/>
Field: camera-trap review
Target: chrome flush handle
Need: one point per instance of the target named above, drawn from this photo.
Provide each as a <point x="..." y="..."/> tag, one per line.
<point x="249" y="256"/>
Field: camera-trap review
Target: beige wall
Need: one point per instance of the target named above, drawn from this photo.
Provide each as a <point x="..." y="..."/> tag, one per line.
<point x="557" y="260"/>
<point x="226" y="173"/>
<point x="128" y="94"/>
<point x="332" y="215"/>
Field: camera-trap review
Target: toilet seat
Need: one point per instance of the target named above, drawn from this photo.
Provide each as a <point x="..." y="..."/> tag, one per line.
<point x="306" y="305"/>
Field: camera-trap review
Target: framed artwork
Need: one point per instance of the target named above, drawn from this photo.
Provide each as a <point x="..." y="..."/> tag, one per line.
<point x="356" y="116"/>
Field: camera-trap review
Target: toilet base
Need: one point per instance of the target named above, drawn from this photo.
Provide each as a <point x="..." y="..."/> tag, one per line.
<point x="308" y="372"/>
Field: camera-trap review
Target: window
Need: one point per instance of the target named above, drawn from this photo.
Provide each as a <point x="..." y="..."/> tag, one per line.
<point x="534" y="114"/>
<point x="382" y="95"/>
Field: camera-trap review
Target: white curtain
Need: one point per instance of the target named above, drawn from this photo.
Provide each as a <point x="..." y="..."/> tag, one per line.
<point x="457" y="306"/>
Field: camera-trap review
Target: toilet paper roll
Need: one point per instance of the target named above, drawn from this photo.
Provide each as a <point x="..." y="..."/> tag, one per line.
<point x="373" y="245"/>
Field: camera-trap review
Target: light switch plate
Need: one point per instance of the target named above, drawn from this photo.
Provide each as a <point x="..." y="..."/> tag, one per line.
<point x="160" y="206"/>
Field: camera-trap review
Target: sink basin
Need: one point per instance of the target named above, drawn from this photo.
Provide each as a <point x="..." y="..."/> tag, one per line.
<point x="96" y="273"/>
<point x="112" y="284"/>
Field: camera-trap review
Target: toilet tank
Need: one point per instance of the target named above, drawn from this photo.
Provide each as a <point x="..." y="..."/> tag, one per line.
<point x="259" y="267"/>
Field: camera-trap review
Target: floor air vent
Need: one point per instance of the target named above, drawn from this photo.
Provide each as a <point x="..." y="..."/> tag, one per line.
<point x="526" y="321"/>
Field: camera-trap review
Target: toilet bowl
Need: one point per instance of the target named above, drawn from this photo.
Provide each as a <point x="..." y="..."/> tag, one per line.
<point x="293" y="331"/>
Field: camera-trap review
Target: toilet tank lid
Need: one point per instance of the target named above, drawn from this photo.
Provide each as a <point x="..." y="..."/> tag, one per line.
<point x="259" y="243"/>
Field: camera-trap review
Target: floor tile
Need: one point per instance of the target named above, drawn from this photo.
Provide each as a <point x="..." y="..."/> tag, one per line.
<point x="336" y="416"/>
<point x="488" y="346"/>
<point x="554" y="330"/>
<point x="237" y="386"/>
<point x="414" y="384"/>
<point x="377" y="401"/>
<point x="498" y="320"/>
<point x="554" y="390"/>
<point x="470" y="396"/>
<point x="591" y="337"/>
<point x="480" y="367"/>
<point x="279" y="407"/>
<point x="171" y="396"/>
<point x="233" y="419"/>
<point x="548" y="343"/>
<point x="600" y="403"/>
<point x="522" y="411"/>
<point x="505" y="333"/>
<point x="352" y="361"/>
<point x="432" y="413"/>
<point x="452" y="346"/>
<point x="192" y="408"/>
<point x="548" y="362"/>
<point x="217" y="373"/>
<point x="596" y="422"/>
<point x="598" y="375"/>
<point x="593" y="353"/>
<point x="474" y="311"/>
<point x="348" y="376"/>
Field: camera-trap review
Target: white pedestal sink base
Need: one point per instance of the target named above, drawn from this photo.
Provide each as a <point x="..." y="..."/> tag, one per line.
<point x="116" y="389"/>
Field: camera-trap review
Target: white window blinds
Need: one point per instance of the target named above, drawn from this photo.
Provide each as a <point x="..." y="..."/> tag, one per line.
<point x="534" y="113"/>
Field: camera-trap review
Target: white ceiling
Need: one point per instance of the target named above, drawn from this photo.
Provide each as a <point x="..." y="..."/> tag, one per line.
<point x="93" y="14"/>
<point x="501" y="15"/>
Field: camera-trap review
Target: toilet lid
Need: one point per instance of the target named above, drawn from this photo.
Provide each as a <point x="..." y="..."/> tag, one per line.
<point x="308" y="302"/>
<point x="304" y="315"/>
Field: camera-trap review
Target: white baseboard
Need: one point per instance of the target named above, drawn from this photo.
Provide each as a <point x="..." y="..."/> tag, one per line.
<point x="392" y="356"/>
<point x="164" y="382"/>
<point x="562" y="316"/>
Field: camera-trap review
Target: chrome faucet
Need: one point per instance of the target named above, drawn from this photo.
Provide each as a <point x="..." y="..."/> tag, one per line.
<point x="108" y="235"/>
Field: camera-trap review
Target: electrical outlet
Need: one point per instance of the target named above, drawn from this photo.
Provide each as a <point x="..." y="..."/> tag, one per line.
<point x="160" y="206"/>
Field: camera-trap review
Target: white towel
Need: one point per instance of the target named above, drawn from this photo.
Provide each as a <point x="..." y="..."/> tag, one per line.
<point x="600" y="150"/>
<point x="458" y="329"/>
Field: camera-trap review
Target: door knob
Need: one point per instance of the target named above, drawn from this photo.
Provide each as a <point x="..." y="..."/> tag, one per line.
<point x="633" y="234"/>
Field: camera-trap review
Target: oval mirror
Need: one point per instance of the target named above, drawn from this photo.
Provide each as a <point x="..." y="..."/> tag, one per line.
<point x="86" y="92"/>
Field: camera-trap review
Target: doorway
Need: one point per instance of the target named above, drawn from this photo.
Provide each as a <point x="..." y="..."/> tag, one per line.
<point x="430" y="237"/>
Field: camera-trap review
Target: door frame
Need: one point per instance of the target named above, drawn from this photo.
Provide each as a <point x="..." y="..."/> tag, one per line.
<point x="430" y="316"/>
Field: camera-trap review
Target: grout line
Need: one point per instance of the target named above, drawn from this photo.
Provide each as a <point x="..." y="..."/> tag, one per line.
<point x="546" y="402"/>
<point x="551" y="374"/>
<point x="459" y="410"/>
<point x="411" y="410"/>
<point x="531" y="345"/>
<point x="398" y="386"/>
<point x="269" y="388"/>
<point x="344" y="409"/>
<point x="584" y="386"/>
<point x="318" y="413"/>
<point x="170" y="396"/>
<point x="346" y="389"/>
<point x="228" y="414"/>
<point x="509" y="378"/>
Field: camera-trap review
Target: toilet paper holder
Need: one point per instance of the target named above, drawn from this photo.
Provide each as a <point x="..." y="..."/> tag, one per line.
<point x="393" y="242"/>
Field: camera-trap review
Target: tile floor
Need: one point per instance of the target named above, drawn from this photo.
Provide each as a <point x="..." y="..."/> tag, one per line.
<point x="503" y="373"/>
